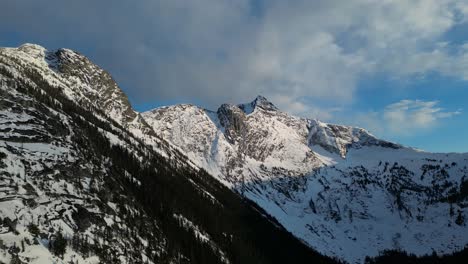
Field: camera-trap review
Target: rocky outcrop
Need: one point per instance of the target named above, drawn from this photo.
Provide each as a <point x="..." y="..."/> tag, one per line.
<point x="233" y="120"/>
<point x="338" y="188"/>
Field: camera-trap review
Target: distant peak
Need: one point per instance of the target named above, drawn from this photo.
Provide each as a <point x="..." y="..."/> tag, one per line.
<point x="32" y="49"/>
<point x="31" y="46"/>
<point x="259" y="102"/>
<point x="39" y="51"/>
<point x="260" y="98"/>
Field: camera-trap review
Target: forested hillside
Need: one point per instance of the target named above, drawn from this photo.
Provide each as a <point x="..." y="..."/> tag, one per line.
<point x="79" y="188"/>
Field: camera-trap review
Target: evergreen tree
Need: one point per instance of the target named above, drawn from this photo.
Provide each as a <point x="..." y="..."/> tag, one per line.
<point x="460" y="218"/>
<point x="59" y="245"/>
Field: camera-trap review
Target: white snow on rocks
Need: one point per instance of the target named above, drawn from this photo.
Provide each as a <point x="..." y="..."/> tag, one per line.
<point x="339" y="189"/>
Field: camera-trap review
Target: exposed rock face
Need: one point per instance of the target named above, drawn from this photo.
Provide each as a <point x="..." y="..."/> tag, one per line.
<point x="339" y="188"/>
<point x="96" y="84"/>
<point x="79" y="77"/>
<point x="259" y="102"/>
<point x="232" y="118"/>
<point x="62" y="127"/>
<point x="84" y="179"/>
<point x="338" y="139"/>
<point x="53" y="181"/>
<point x="87" y="84"/>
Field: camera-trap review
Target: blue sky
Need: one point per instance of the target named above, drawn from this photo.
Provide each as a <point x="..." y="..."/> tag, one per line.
<point x="396" y="68"/>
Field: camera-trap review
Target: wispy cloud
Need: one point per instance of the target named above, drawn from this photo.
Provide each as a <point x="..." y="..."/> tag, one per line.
<point x="408" y="115"/>
<point x="302" y="108"/>
<point x="405" y="117"/>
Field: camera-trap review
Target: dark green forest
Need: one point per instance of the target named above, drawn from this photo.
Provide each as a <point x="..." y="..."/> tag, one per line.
<point x="391" y="257"/>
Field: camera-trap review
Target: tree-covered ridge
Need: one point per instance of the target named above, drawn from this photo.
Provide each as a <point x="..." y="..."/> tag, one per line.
<point x="153" y="198"/>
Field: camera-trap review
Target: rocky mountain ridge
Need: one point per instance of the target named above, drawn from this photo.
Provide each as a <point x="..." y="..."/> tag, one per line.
<point x="340" y="189"/>
<point x="84" y="179"/>
<point x="77" y="161"/>
<point x="87" y="84"/>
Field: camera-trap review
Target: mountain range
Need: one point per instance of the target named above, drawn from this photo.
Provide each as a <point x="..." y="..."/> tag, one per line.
<point x="87" y="179"/>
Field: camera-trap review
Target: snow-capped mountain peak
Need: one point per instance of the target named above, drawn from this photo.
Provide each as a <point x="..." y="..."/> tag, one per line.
<point x="84" y="179"/>
<point x="259" y="102"/>
<point x="33" y="49"/>
<point x="340" y="189"/>
<point x="95" y="84"/>
<point x="338" y="139"/>
<point x="79" y="78"/>
<point x="85" y="83"/>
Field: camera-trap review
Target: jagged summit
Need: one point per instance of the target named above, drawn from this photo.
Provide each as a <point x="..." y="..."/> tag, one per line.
<point x="336" y="187"/>
<point x="79" y="78"/>
<point x="259" y="102"/>
<point x="32" y="49"/>
<point x="80" y="184"/>
<point x="83" y="82"/>
<point x="339" y="189"/>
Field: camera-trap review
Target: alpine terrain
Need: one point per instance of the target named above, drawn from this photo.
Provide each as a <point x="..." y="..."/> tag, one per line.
<point x="339" y="189"/>
<point x="84" y="179"/>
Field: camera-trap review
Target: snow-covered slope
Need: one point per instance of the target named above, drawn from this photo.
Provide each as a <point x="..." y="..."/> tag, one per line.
<point x="54" y="185"/>
<point x="338" y="188"/>
<point x="84" y="179"/>
<point x="86" y="84"/>
<point x="60" y="116"/>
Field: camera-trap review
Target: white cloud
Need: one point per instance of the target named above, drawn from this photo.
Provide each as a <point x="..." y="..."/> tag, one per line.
<point x="405" y="117"/>
<point x="298" y="107"/>
<point x="409" y="115"/>
<point x="321" y="49"/>
<point x="221" y="50"/>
